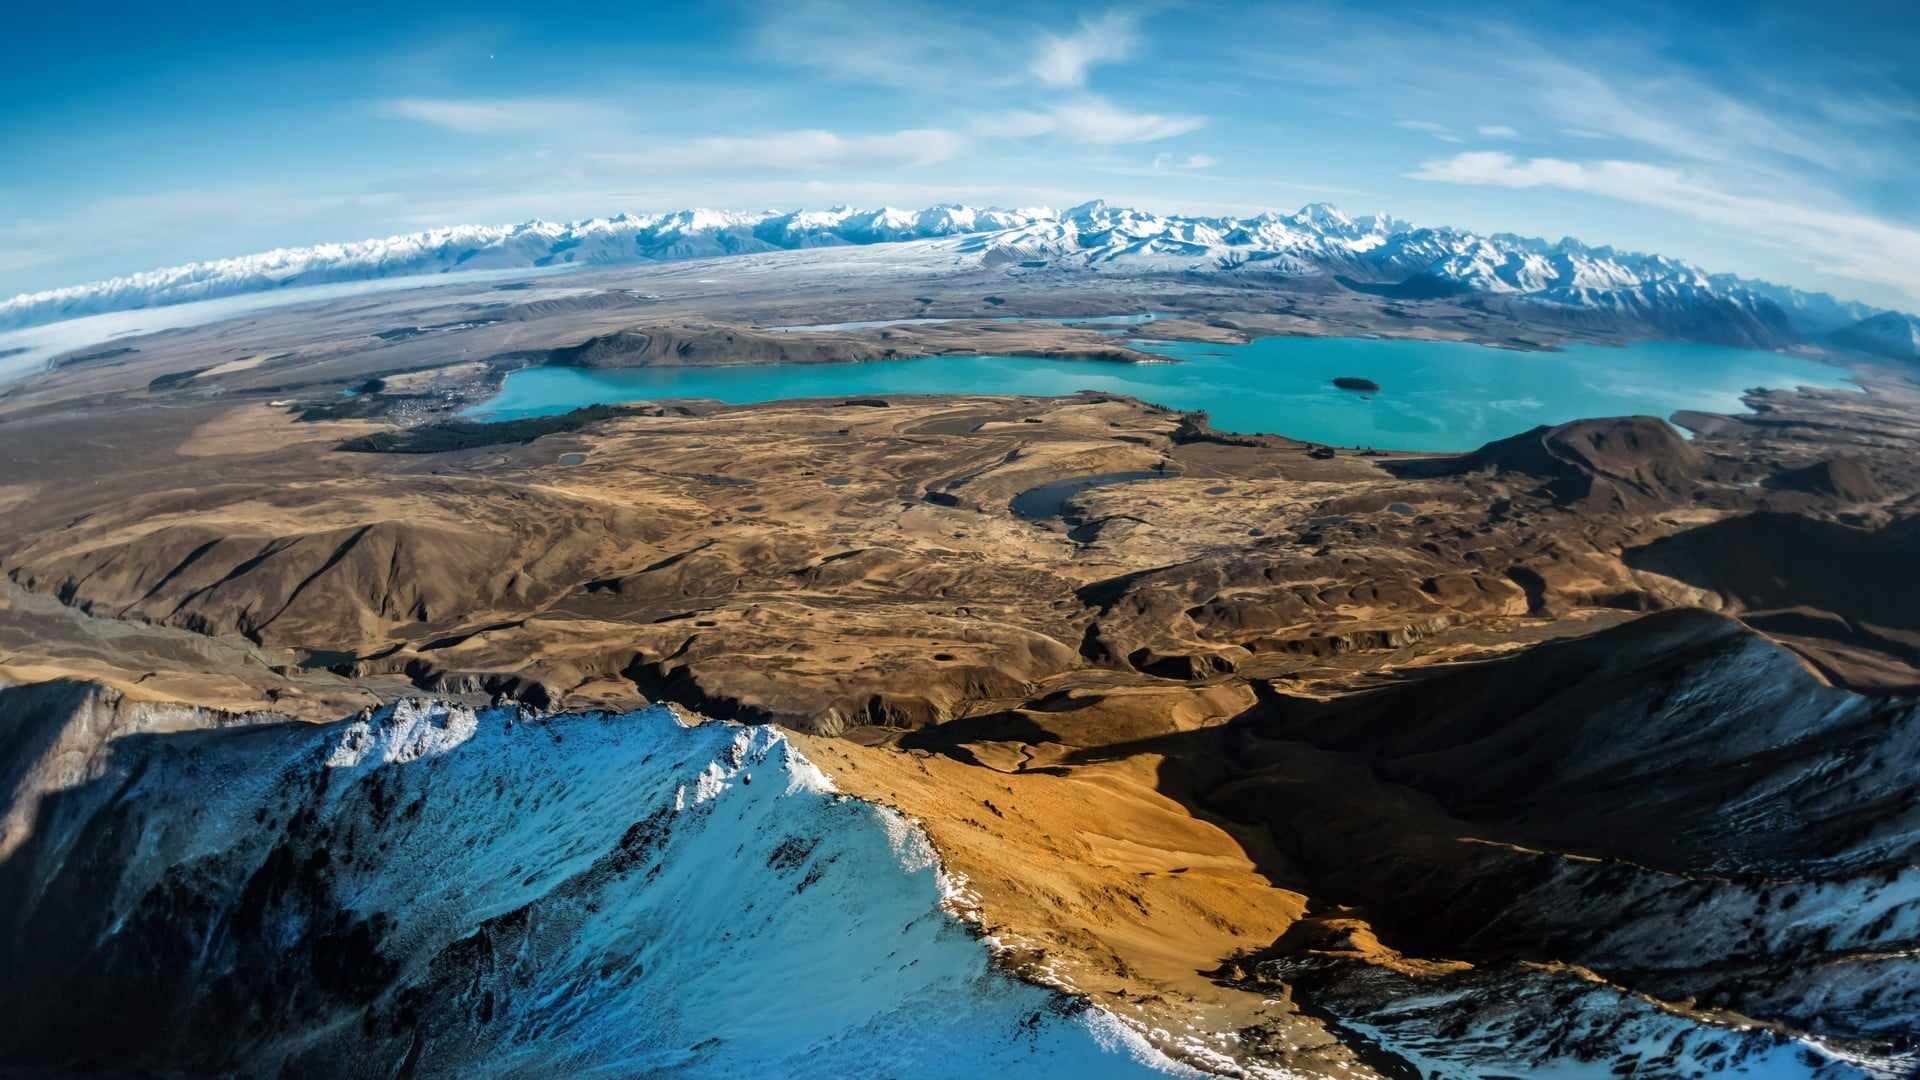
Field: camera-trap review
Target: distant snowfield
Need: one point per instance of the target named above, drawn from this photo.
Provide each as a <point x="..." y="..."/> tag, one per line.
<point x="542" y="895"/>
<point x="30" y="349"/>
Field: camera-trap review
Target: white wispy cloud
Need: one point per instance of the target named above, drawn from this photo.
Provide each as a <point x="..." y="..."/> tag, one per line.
<point x="1438" y="131"/>
<point x="921" y="47"/>
<point x="1498" y="131"/>
<point x="1091" y="120"/>
<point x="25" y="244"/>
<point x="1836" y="241"/>
<point x="915" y="46"/>
<point x="1168" y="160"/>
<point x="503" y="116"/>
<point x="1063" y="61"/>
<point x="1632" y="96"/>
<point x="811" y="150"/>
<point x="1624" y="85"/>
<point x="125" y="233"/>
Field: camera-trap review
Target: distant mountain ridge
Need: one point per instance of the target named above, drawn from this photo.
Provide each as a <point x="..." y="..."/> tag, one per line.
<point x="1562" y="281"/>
<point x="1892" y="334"/>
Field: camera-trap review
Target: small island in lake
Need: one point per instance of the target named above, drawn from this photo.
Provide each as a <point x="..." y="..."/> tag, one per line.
<point x="1347" y="382"/>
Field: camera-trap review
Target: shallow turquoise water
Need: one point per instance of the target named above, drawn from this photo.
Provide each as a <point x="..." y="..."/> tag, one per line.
<point x="1434" y="396"/>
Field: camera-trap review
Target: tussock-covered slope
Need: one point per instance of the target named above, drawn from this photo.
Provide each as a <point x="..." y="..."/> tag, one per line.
<point x="1633" y="462"/>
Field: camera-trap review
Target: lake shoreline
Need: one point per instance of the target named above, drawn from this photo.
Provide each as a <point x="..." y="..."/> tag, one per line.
<point x="1442" y="397"/>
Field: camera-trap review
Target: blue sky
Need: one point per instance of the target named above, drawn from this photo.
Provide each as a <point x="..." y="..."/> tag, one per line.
<point x="1771" y="139"/>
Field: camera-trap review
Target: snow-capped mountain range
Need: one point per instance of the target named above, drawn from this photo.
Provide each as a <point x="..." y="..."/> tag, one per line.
<point x="1565" y="280"/>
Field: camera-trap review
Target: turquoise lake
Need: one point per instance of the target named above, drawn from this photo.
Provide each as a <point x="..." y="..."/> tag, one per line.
<point x="1435" y="395"/>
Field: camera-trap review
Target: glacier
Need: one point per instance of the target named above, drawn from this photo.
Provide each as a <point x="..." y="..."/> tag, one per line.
<point x="444" y="891"/>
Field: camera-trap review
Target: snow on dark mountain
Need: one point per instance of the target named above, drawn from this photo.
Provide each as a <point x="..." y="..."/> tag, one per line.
<point x="1892" y="334"/>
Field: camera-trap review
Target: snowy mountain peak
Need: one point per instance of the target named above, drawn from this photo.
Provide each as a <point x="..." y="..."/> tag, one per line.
<point x="1323" y="214"/>
<point x="1650" y="293"/>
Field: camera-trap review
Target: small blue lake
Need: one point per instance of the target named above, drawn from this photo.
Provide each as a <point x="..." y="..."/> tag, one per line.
<point x="1434" y="395"/>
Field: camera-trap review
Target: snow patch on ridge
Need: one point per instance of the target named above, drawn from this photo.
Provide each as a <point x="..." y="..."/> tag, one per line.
<point x="404" y="732"/>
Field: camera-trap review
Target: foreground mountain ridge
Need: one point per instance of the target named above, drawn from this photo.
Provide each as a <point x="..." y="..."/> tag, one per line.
<point x="1317" y="244"/>
<point x="396" y="893"/>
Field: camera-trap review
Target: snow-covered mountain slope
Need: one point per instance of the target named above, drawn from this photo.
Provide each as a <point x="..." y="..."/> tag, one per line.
<point x="437" y="891"/>
<point x="1892" y="334"/>
<point x="1655" y="294"/>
